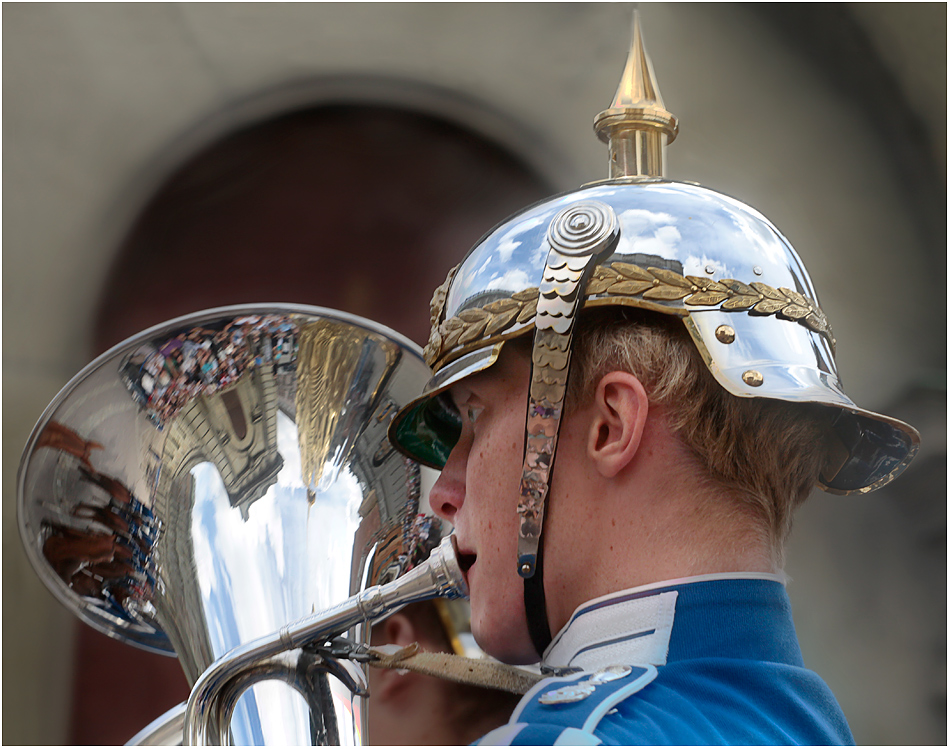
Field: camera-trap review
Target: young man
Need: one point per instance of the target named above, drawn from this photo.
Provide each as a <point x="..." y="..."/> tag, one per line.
<point x="643" y="567"/>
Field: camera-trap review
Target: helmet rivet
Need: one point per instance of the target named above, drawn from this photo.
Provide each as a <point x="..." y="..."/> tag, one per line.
<point x="725" y="334"/>
<point x="710" y="270"/>
<point x="525" y="568"/>
<point x="752" y="378"/>
<point x="580" y="221"/>
<point x="757" y="270"/>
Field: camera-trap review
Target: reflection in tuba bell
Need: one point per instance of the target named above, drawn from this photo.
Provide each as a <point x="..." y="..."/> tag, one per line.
<point x="200" y="487"/>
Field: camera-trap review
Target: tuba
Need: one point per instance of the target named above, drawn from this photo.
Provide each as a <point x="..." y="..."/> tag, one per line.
<point x="221" y="488"/>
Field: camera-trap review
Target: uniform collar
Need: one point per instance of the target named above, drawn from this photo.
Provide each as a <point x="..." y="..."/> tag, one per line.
<point x="729" y="615"/>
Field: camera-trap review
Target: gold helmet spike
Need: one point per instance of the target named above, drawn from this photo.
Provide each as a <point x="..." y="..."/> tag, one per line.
<point x="637" y="126"/>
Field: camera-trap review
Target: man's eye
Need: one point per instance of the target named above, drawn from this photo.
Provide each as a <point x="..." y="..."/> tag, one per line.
<point x="447" y="411"/>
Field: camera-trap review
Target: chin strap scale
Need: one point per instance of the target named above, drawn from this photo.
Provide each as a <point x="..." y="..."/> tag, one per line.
<point x="577" y="238"/>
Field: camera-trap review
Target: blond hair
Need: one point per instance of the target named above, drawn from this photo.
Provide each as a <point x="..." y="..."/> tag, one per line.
<point x="766" y="452"/>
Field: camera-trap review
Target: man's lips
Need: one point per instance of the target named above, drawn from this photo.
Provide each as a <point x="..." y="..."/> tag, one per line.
<point x="466" y="559"/>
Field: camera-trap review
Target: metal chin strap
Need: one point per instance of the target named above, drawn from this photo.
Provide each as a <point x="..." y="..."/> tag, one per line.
<point x="578" y="237"/>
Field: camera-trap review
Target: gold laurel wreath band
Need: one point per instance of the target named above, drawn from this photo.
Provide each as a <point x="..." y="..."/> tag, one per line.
<point x="624" y="280"/>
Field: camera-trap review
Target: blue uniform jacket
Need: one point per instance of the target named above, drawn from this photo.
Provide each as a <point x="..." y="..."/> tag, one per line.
<point x="706" y="660"/>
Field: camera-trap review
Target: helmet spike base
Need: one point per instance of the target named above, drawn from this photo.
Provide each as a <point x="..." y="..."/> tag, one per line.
<point x="637" y="126"/>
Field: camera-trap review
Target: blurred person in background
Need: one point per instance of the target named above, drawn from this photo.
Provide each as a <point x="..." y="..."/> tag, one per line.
<point x="408" y="708"/>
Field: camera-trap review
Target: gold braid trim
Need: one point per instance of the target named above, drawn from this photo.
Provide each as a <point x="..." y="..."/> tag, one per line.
<point x="626" y="280"/>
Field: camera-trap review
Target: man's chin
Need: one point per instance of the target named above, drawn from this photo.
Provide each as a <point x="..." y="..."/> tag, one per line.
<point x="509" y="644"/>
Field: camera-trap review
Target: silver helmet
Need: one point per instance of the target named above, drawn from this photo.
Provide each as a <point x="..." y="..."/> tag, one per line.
<point x="640" y="240"/>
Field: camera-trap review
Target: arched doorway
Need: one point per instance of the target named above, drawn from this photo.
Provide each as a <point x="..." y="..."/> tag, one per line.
<point x="361" y="208"/>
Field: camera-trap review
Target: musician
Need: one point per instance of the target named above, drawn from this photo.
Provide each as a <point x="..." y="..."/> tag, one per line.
<point x="682" y="402"/>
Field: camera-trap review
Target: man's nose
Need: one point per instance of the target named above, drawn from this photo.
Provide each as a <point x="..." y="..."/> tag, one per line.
<point x="448" y="493"/>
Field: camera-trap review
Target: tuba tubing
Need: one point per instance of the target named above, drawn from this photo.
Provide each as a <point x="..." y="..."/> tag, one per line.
<point x="214" y="695"/>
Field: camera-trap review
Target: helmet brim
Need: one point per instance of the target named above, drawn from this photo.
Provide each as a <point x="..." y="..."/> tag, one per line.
<point x="427" y="428"/>
<point x="876" y="450"/>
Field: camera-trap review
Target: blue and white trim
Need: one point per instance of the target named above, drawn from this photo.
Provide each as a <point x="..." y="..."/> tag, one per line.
<point x="630" y="626"/>
<point x="569" y="722"/>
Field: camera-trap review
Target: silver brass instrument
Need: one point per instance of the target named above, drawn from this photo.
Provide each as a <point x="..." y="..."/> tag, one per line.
<point x="201" y="486"/>
<point x="213" y="697"/>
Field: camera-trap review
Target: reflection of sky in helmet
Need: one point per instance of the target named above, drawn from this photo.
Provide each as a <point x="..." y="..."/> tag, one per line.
<point x="508" y="242"/>
<point x="761" y="238"/>
<point x="651" y="232"/>
<point x="510" y="261"/>
<point x="690" y="226"/>
<point x="291" y="475"/>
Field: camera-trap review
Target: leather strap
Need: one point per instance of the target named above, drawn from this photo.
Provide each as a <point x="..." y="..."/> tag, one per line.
<point x="535" y="607"/>
<point x="474" y="671"/>
<point x="578" y="238"/>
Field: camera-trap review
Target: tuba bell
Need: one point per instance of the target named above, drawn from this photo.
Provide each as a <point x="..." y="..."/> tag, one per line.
<point x="221" y="488"/>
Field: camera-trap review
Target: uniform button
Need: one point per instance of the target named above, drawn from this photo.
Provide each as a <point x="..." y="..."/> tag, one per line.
<point x="571" y="693"/>
<point x="611" y="673"/>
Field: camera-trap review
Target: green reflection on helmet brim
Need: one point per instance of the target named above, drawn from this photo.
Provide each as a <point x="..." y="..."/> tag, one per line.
<point x="427" y="429"/>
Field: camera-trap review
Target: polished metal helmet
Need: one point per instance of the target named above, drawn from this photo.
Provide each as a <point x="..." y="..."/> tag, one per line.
<point x="640" y="240"/>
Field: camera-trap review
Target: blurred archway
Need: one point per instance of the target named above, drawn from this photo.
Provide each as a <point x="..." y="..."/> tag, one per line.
<point x="360" y="208"/>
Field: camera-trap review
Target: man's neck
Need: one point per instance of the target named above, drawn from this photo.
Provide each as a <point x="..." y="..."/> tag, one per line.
<point x="641" y="538"/>
<point x="657" y="518"/>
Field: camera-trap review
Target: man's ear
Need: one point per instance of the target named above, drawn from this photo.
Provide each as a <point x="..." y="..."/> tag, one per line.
<point x="395" y="630"/>
<point x="620" y="409"/>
